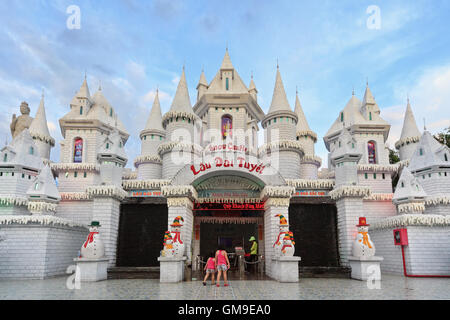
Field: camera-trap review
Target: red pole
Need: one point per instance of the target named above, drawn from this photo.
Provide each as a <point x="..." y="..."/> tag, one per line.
<point x="415" y="275"/>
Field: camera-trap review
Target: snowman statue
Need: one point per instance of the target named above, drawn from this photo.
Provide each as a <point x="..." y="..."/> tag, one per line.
<point x="363" y="247"/>
<point x="284" y="227"/>
<point x="288" y="249"/>
<point x="168" y="245"/>
<point x="178" y="245"/>
<point x="93" y="247"/>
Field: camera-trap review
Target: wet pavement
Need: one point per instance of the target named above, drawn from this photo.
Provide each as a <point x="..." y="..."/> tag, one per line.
<point x="391" y="288"/>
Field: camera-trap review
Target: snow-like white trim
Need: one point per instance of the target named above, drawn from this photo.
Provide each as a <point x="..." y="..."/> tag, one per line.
<point x="41" y="206"/>
<point x="70" y="196"/>
<point x="179" y="146"/>
<point x="312" y="158"/>
<point x="311" y="184"/>
<point x="107" y="191"/>
<point x="39" y="219"/>
<point x="309" y="133"/>
<point x="11" y="200"/>
<point x="177" y="191"/>
<point x="180" y="114"/>
<point x="144" y="184"/>
<point x="75" y="166"/>
<point x="129" y="175"/>
<point x="406" y="140"/>
<point x="350" y="191"/>
<point x="378" y="167"/>
<point x="277" y="192"/>
<point x="437" y="200"/>
<point x="144" y="159"/>
<point x="406" y="220"/>
<point x="277" y="202"/>
<point x="411" y="207"/>
<point x="43" y="138"/>
<point x="380" y="197"/>
<point x="282" y="144"/>
<point x="180" y="202"/>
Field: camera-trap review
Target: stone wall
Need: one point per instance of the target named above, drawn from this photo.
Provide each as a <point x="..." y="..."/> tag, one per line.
<point x="77" y="211"/>
<point x="38" y="252"/>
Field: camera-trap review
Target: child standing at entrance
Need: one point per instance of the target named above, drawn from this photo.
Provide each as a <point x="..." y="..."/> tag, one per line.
<point x="210" y="268"/>
<point x="223" y="264"/>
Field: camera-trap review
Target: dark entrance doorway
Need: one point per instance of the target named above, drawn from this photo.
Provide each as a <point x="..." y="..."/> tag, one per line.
<point x="229" y="235"/>
<point x="315" y="232"/>
<point x="141" y="231"/>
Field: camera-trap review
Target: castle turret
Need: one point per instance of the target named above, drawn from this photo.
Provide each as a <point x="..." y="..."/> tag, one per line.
<point x="181" y="136"/>
<point x="252" y="90"/>
<point x="112" y="158"/>
<point x="409" y="197"/>
<point x="280" y="126"/>
<point x="310" y="163"/>
<point x="148" y="164"/>
<point x="410" y="135"/>
<point x="369" y="108"/>
<point x="345" y="159"/>
<point x="40" y="133"/>
<point x="43" y="195"/>
<point x="202" y="86"/>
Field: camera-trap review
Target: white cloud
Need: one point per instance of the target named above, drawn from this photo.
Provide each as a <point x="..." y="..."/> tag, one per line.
<point x="149" y="97"/>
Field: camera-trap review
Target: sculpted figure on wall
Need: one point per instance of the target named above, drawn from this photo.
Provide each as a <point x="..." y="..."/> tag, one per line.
<point x="18" y="124"/>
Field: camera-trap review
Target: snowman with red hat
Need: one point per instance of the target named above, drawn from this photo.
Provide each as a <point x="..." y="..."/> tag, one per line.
<point x="284" y="228"/>
<point x="178" y="245"/>
<point x="168" y="245"/>
<point x="93" y="247"/>
<point x="363" y="247"/>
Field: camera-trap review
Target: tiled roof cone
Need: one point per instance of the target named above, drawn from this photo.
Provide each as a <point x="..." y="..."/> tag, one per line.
<point x="279" y="98"/>
<point x="370" y="100"/>
<point x="408" y="188"/>
<point x="409" y="129"/>
<point x="44" y="187"/>
<point x="154" y="121"/>
<point x="226" y="62"/>
<point x="181" y="102"/>
<point x="302" y="124"/>
<point x="39" y="127"/>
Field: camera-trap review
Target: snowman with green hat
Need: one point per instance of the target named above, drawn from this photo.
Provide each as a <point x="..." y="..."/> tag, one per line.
<point x="284" y="228"/>
<point x="168" y="245"/>
<point x="93" y="247"/>
<point x="178" y="245"/>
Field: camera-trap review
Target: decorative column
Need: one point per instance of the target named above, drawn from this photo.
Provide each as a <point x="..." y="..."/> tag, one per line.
<point x="106" y="210"/>
<point x="349" y="203"/>
<point x="276" y="202"/>
<point x="180" y="203"/>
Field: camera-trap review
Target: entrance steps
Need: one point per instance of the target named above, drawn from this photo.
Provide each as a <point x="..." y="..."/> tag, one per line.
<point x="325" y="272"/>
<point x="133" y="273"/>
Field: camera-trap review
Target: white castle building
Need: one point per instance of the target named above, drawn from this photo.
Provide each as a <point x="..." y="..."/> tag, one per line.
<point x="205" y="164"/>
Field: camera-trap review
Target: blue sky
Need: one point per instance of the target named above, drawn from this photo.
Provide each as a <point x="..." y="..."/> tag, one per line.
<point x="131" y="46"/>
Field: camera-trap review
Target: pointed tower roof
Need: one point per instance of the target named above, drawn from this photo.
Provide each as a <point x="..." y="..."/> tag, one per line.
<point x="252" y="86"/>
<point x="302" y="124"/>
<point x="347" y="146"/>
<point x="44" y="186"/>
<point x="408" y="188"/>
<point x="368" y="98"/>
<point x="202" y="80"/>
<point x="226" y="62"/>
<point x="409" y="129"/>
<point x="39" y="127"/>
<point x="427" y="153"/>
<point x="154" y="121"/>
<point x="84" y="90"/>
<point x="181" y="102"/>
<point x="279" y="98"/>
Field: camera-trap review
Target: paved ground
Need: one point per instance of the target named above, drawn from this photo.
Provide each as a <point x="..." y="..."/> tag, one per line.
<point x="392" y="288"/>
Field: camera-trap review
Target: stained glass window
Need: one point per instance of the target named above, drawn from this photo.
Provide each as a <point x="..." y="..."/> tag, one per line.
<point x="372" y="152"/>
<point x="78" y="151"/>
<point x="227" y="126"/>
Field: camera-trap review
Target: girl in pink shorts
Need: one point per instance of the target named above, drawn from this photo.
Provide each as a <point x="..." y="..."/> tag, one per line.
<point x="210" y="268"/>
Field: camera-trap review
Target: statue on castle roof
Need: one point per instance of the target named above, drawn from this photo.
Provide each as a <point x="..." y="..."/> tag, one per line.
<point x="18" y="124"/>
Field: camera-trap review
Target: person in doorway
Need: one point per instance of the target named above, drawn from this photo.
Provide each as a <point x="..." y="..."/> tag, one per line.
<point x="210" y="268"/>
<point x="253" y="253"/>
<point x="223" y="264"/>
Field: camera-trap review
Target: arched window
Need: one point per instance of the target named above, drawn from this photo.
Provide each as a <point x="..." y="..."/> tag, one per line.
<point x="227" y="126"/>
<point x="78" y="150"/>
<point x="227" y="84"/>
<point x="371" y="151"/>
<point x="5" y="158"/>
<point x="31" y="151"/>
<point x="445" y="157"/>
<point x="81" y="110"/>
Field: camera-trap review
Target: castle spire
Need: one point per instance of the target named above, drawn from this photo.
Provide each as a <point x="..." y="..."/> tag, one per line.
<point x="39" y="125"/>
<point x="302" y="124"/>
<point x="279" y="99"/>
<point x="154" y="121"/>
<point x="181" y="102"/>
<point x="409" y="129"/>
